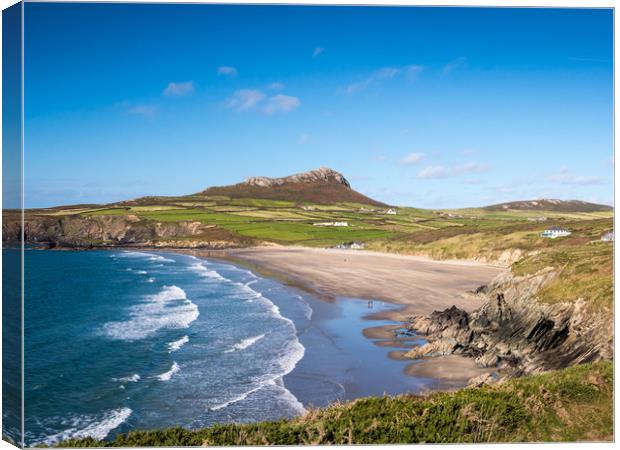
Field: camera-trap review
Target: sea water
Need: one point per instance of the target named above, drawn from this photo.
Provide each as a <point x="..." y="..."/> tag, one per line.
<point x="123" y="340"/>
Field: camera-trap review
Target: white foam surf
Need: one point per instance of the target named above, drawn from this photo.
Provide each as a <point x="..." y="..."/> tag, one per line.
<point x="160" y="258"/>
<point x="167" y="375"/>
<point x="292" y="352"/>
<point x="236" y="399"/>
<point x="129" y="379"/>
<point x="204" y="272"/>
<point x="97" y="427"/>
<point x="176" y="345"/>
<point x="245" y="343"/>
<point x="168" y="309"/>
<point x="144" y="255"/>
<point x="306" y="306"/>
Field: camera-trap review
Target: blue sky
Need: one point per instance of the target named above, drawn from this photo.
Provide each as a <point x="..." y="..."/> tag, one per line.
<point x="428" y="107"/>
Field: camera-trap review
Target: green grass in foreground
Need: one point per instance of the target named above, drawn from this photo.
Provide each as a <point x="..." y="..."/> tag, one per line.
<point x="573" y="404"/>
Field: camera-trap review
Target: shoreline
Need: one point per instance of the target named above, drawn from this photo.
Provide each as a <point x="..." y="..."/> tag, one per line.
<point x="421" y="286"/>
<point x="368" y="275"/>
<point x="297" y="267"/>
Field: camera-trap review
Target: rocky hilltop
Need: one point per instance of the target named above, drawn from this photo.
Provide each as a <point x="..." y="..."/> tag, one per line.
<point x="550" y="205"/>
<point x="324" y="186"/>
<point x="515" y="332"/>
<point x="322" y="175"/>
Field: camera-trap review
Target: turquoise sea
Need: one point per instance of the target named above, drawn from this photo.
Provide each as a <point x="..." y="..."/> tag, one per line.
<point x="120" y="340"/>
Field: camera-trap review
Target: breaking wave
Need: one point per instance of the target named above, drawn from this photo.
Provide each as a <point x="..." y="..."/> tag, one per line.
<point x="176" y="345"/>
<point x="245" y="343"/>
<point x="167" y="375"/>
<point x="131" y="378"/>
<point x="97" y="427"/>
<point x="169" y="308"/>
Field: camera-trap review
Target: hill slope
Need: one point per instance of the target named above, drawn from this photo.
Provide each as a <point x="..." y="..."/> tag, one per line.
<point x="323" y="186"/>
<point x="550" y="205"/>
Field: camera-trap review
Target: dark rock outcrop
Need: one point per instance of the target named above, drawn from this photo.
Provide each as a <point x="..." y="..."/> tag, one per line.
<point x="514" y="331"/>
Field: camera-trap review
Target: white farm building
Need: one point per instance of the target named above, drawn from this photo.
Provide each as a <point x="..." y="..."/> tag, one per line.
<point x="555" y="232"/>
<point x="331" y="224"/>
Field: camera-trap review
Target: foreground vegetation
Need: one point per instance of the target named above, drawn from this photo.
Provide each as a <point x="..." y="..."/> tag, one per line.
<point x="574" y="404"/>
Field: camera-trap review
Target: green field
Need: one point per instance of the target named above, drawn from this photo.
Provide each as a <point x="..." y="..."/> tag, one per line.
<point x="286" y="222"/>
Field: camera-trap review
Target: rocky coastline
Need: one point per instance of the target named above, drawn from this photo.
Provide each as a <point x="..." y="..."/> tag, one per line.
<point x="80" y="232"/>
<point x="514" y="332"/>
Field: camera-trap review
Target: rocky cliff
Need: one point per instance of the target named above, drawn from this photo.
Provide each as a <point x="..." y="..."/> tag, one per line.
<point x="91" y="231"/>
<point x="515" y="332"/>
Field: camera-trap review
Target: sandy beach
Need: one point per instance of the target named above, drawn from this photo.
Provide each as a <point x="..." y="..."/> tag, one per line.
<point x="421" y="285"/>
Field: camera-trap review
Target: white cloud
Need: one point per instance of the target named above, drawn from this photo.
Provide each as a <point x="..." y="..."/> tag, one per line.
<point x="565" y="176"/>
<point x="143" y="110"/>
<point x="317" y="52"/>
<point x="472" y="181"/>
<point x="277" y="86"/>
<point x="251" y="99"/>
<point x="469" y="167"/>
<point x="355" y="87"/>
<point x="507" y="190"/>
<point x="455" y="64"/>
<point x="281" y="103"/>
<point x="575" y="179"/>
<point x="385" y="73"/>
<point x="412" y="158"/>
<point x="434" y="172"/>
<point x="413" y="71"/>
<point x="179" y="89"/>
<point x="467" y="152"/>
<point x="228" y="71"/>
<point x="380" y="158"/>
<point x="245" y="99"/>
<point x="443" y="171"/>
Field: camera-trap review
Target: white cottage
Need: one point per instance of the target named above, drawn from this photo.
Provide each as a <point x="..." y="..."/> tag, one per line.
<point x="555" y="232"/>
<point x="331" y="224"/>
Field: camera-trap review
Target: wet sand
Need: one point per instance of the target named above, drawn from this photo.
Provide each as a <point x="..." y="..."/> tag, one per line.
<point x="451" y="372"/>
